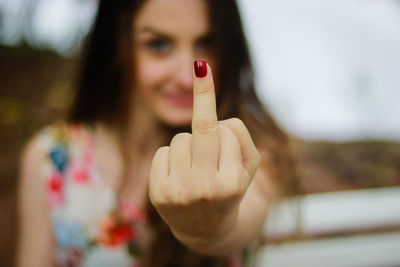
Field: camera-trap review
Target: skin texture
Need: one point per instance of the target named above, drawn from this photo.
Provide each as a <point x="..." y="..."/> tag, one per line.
<point x="170" y="35"/>
<point x="35" y="244"/>
<point x="208" y="180"/>
<point x="197" y="183"/>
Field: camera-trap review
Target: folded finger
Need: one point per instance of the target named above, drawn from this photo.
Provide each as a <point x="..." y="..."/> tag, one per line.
<point x="180" y="153"/>
<point x="250" y="155"/>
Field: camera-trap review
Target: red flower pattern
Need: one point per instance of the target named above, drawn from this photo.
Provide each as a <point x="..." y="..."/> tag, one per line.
<point x="80" y="175"/>
<point x="118" y="234"/>
<point x="55" y="186"/>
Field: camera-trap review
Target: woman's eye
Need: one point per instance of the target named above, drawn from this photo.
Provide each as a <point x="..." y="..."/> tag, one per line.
<point x="159" y="45"/>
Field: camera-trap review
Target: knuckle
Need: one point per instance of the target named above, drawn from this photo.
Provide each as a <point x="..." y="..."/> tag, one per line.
<point x="202" y="89"/>
<point x="160" y="154"/>
<point x="240" y="184"/>
<point x="237" y="122"/>
<point x="231" y="192"/>
<point x="161" y="151"/>
<point x="154" y="195"/>
<point x="158" y="201"/>
<point x="180" y="137"/>
<point x="237" y="181"/>
<point x="160" y="195"/>
<point x="201" y="196"/>
<point x="232" y="184"/>
<point x="205" y="126"/>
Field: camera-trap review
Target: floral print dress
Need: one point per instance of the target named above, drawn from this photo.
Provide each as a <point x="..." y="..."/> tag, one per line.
<point x="91" y="227"/>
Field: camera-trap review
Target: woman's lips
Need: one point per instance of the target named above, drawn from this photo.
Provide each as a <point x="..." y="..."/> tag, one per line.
<point x="180" y="100"/>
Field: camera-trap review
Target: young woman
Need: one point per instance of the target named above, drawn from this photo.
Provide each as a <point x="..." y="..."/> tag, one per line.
<point x="163" y="162"/>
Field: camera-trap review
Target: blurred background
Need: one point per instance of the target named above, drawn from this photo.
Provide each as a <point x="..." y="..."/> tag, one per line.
<point x="328" y="70"/>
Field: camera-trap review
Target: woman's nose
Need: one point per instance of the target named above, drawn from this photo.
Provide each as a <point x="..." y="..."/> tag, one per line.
<point x="184" y="71"/>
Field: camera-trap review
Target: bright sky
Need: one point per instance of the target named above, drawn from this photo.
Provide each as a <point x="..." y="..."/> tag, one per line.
<point x="326" y="69"/>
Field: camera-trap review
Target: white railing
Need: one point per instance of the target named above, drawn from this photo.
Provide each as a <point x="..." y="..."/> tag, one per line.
<point x="352" y="228"/>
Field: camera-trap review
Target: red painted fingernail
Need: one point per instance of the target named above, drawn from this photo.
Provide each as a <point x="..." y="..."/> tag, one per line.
<point x="200" y="68"/>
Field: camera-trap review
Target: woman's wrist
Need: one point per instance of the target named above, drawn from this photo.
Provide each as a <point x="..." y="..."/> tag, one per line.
<point x="217" y="242"/>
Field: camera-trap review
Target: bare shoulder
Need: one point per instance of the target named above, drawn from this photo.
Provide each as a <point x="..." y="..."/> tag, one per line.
<point x="35" y="238"/>
<point x="33" y="157"/>
<point x="32" y="182"/>
<point x="33" y="153"/>
<point x="35" y="166"/>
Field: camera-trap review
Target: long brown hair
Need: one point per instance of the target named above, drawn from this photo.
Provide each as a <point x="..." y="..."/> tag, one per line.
<point x="104" y="79"/>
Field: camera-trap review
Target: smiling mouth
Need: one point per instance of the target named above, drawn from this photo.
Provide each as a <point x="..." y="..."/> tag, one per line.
<point x="180" y="100"/>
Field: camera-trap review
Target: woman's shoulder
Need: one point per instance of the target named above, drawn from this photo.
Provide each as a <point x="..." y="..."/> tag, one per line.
<point x="64" y="133"/>
<point x="45" y="149"/>
<point x="56" y="154"/>
<point x="54" y="143"/>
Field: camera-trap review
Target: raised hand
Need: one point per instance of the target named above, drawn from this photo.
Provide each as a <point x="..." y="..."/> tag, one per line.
<point x="198" y="182"/>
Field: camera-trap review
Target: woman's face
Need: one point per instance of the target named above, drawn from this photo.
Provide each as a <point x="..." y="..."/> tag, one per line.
<point x="168" y="36"/>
